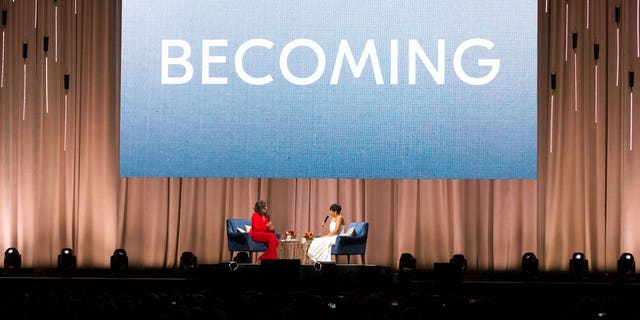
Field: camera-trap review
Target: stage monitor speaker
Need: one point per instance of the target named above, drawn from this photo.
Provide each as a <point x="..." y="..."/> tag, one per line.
<point x="444" y="272"/>
<point x="228" y="273"/>
<point x="328" y="270"/>
<point x="279" y="271"/>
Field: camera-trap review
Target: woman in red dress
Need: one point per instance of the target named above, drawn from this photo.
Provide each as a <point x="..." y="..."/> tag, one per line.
<point x="262" y="230"/>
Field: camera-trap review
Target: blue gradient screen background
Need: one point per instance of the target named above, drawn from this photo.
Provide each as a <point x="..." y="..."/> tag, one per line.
<point x="353" y="129"/>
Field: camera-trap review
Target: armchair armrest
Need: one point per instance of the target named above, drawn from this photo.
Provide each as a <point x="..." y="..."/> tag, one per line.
<point x="344" y="240"/>
<point x="238" y="237"/>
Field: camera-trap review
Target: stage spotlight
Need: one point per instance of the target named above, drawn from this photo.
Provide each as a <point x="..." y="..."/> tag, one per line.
<point x="460" y="262"/>
<point x="626" y="265"/>
<point x="407" y="263"/>
<point x="578" y="265"/>
<point x="188" y="261"/>
<point x="327" y="266"/>
<point x="119" y="262"/>
<point x="406" y="266"/>
<point x="325" y="276"/>
<point x="12" y="261"/>
<point x="233" y="266"/>
<point x="241" y="257"/>
<point x="66" y="260"/>
<point x="530" y="263"/>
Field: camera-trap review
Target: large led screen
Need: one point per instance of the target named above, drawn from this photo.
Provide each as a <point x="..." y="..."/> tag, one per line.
<point x="329" y="89"/>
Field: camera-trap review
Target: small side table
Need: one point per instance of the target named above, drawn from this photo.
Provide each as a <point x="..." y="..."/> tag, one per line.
<point x="294" y="249"/>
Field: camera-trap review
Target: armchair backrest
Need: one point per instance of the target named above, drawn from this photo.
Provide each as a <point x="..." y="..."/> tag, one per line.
<point x="361" y="229"/>
<point x="241" y="241"/>
<point x="237" y="240"/>
<point x="234" y="224"/>
<point x="353" y="244"/>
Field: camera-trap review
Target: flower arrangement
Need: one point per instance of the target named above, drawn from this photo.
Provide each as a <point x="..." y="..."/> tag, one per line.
<point x="290" y="234"/>
<point x="308" y="235"/>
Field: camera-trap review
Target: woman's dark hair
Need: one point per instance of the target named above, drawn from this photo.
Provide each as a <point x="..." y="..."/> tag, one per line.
<point x="336" y="207"/>
<point x="259" y="205"/>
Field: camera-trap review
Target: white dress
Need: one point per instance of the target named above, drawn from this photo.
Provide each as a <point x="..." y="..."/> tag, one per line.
<point x="320" y="247"/>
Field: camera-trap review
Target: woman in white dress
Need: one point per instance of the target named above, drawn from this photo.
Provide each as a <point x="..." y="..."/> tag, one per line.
<point x="320" y="247"/>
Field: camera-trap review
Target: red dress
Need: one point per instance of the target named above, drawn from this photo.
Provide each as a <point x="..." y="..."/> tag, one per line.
<point x="260" y="233"/>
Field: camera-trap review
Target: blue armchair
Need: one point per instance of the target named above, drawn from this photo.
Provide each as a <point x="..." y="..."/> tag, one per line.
<point x="353" y="244"/>
<point x="241" y="241"/>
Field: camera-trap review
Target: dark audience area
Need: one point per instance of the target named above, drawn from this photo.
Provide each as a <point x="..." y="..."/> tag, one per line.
<point x="342" y="292"/>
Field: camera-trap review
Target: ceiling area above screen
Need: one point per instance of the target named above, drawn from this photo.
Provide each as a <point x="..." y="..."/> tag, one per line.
<point x="329" y="89"/>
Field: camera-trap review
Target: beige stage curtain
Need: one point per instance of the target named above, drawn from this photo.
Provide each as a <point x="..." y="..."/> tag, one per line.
<point x="60" y="187"/>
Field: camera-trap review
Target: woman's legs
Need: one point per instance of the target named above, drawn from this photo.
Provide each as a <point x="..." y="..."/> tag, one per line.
<point x="320" y="248"/>
<point x="272" y="244"/>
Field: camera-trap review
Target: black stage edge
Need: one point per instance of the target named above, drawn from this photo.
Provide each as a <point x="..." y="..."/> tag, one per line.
<point x="286" y="274"/>
<point x="339" y="291"/>
<point x="289" y="274"/>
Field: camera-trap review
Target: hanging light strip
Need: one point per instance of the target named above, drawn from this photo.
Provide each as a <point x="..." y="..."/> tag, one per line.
<point x="45" y="48"/>
<point x="4" y="26"/>
<point x="551" y="127"/>
<point x="617" y="19"/>
<point x="631" y="80"/>
<point x="67" y="83"/>
<point x="566" y="31"/>
<point x="46" y="83"/>
<point x="25" y="52"/>
<point x="617" y="56"/>
<point x="551" y="113"/>
<point x="595" y="111"/>
<point x="630" y="121"/>
<point x="2" y="71"/>
<point x="24" y="89"/>
<point x="575" y="80"/>
<point x="588" y="14"/>
<point x="574" y="47"/>
<point x="596" y="56"/>
<point x="56" y="31"/>
<point x="65" y="121"/>
<point x="546" y="6"/>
